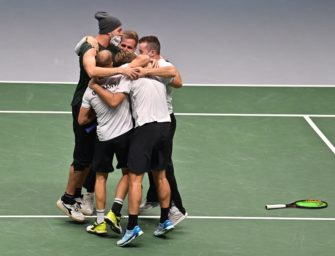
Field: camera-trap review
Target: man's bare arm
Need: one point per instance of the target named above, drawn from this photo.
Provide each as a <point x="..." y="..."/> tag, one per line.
<point x="111" y="99"/>
<point x="140" y="61"/>
<point x="168" y="71"/>
<point x="86" y="116"/>
<point x="92" y="70"/>
<point x="176" y="81"/>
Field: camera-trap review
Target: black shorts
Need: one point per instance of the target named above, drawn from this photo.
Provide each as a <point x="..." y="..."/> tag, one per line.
<point x="83" y="142"/>
<point x="105" y="150"/>
<point x="149" y="148"/>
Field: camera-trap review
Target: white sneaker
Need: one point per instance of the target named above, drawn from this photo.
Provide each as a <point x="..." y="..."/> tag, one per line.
<point x="129" y="236"/>
<point x="71" y="210"/>
<point x="88" y="199"/>
<point x="145" y="206"/>
<point x="176" y="216"/>
<point x="163" y="228"/>
<point x="85" y="208"/>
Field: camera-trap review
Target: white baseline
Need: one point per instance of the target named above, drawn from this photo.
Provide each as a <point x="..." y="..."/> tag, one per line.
<point x="188" y="217"/>
<point x="190" y="84"/>
<point x="179" y="114"/>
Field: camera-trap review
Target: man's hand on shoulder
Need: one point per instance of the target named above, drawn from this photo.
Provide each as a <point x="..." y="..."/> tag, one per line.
<point x="131" y="73"/>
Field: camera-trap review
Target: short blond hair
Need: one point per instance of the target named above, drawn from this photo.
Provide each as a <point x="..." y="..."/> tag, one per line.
<point x="130" y="34"/>
<point x="123" y="57"/>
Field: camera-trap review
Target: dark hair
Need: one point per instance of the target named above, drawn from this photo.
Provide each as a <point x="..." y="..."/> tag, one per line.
<point x="152" y="43"/>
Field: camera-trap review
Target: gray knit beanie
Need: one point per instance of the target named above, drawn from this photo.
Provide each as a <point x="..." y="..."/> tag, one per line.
<point x="107" y="23"/>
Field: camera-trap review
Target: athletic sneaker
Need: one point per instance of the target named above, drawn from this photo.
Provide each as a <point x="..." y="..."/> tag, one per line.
<point x="129" y="236"/>
<point x="176" y="216"/>
<point x="163" y="228"/>
<point x="114" y="222"/>
<point x="71" y="210"/>
<point x="145" y="206"/>
<point x="99" y="229"/>
<point x="88" y="199"/>
<point x="84" y="208"/>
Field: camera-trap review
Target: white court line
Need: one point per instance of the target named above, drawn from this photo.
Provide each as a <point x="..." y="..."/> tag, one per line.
<point x="188" y="217"/>
<point x="252" y="115"/>
<point x="33" y="112"/>
<point x="192" y="84"/>
<point x="305" y="116"/>
<point x="178" y="114"/>
<point x="319" y="132"/>
<point x="265" y="85"/>
<point x="36" y="82"/>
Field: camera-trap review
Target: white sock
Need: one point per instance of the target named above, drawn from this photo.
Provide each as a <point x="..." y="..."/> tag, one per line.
<point x="118" y="200"/>
<point x="100" y="215"/>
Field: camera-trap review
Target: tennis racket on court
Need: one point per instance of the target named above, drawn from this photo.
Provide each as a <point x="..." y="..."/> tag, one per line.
<point x="306" y="204"/>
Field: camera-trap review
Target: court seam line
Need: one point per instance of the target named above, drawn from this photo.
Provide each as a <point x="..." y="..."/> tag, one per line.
<point x="179" y="114"/>
<point x="319" y="133"/>
<point x="191" y="84"/>
<point x="188" y="217"/>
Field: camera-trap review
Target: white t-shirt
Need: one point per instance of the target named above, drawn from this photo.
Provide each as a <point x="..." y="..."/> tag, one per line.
<point x="148" y="100"/>
<point x="163" y="63"/>
<point x="112" y="122"/>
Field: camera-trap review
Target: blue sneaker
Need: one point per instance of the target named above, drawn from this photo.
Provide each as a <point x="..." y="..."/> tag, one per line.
<point x="163" y="228"/>
<point x="129" y="236"/>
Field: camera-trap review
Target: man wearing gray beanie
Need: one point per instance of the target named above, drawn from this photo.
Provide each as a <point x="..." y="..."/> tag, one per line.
<point x="107" y="23"/>
<point x="72" y="203"/>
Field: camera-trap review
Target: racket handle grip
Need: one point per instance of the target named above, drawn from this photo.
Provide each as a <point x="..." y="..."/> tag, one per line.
<point x="274" y="206"/>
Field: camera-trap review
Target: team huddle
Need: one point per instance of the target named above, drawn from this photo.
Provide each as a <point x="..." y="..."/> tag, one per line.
<point x="122" y="107"/>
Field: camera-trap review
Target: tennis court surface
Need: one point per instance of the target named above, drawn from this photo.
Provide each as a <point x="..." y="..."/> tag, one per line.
<point x="236" y="149"/>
